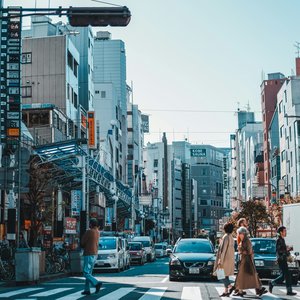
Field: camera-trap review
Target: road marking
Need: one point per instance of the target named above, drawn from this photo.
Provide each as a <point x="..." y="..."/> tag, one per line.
<point x="298" y="293"/>
<point x="165" y="279"/>
<point x="18" y="292"/>
<point x="191" y="293"/>
<point x="118" y="294"/>
<point x="73" y="296"/>
<point x="154" y="294"/>
<point x="51" y="292"/>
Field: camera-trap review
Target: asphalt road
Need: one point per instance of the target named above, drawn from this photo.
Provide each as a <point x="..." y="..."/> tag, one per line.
<point x="148" y="282"/>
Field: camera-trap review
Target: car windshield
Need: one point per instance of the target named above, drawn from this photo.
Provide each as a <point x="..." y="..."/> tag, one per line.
<point x="144" y="243"/>
<point x="135" y="246"/>
<point x="193" y="247"/>
<point x="158" y="246"/>
<point x="265" y="246"/>
<point x="107" y="244"/>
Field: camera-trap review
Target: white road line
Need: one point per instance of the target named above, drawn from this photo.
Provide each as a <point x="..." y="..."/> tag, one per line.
<point x="298" y="293"/>
<point x="154" y="294"/>
<point x="191" y="293"/>
<point x="118" y="294"/>
<point x="73" y="296"/>
<point x="18" y="292"/>
<point x="51" y="292"/>
<point x="165" y="279"/>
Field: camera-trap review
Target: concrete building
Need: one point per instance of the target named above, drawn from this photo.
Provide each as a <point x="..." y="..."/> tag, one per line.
<point x="269" y="90"/>
<point x="207" y="170"/>
<point x="288" y="102"/>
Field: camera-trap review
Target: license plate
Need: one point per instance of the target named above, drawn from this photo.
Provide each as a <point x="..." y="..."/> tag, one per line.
<point x="194" y="270"/>
<point x="276" y="272"/>
<point x="100" y="263"/>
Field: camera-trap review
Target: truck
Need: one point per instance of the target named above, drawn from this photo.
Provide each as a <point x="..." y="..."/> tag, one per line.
<point x="291" y="221"/>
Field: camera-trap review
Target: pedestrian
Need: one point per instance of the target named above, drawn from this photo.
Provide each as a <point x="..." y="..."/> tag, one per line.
<point x="90" y="243"/>
<point x="5" y="242"/>
<point x="22" y="242"/>
<point x="247" y="277"/>
<point x="282" y="253"/>
<point x="225" y="258"/>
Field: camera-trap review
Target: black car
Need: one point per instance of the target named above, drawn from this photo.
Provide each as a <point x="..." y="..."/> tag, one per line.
<point x="192" y="258"/>
<point x="266" y="261"/>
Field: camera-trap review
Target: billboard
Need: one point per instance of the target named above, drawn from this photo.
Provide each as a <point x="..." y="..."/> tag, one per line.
<point x="92" y="130"/>
<point x="198" y="152"/>
<point x="145" y="123"/>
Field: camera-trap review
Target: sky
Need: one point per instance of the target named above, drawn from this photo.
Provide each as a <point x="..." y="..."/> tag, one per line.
<point x="193" y="63"/>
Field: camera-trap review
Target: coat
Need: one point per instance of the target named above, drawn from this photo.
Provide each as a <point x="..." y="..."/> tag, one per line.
<point x="247" y="277"/>
<point x="225" y="255"/>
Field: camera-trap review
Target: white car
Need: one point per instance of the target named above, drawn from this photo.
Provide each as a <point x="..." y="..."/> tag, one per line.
<point x="160" y="250"/>
<point x="126" y="254"/>
<point x="110" y="254"/>
<point x="148" y="245"/>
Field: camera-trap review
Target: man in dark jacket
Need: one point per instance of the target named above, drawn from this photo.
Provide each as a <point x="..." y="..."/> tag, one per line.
<point x="90" y="242"/>
<point x="282" y="252"/>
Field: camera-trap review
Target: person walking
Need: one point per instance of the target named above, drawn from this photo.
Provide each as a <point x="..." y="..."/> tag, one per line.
<point x="225" y="258"/>
<point x="90" y="243"/>
<point x="282" y="253"/>
<point x="247" y="277"/>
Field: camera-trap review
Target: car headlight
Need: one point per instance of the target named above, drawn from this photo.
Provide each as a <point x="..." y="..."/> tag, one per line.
<point x="112" y="256"/>
<point x="175" y="262"/>
<point x="292" y="264"/>
<point x="210" y="263"/>
<point x="259" y="263"/>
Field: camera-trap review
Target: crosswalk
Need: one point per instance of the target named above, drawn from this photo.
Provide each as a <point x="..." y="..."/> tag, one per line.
<point x="132" y="293"/>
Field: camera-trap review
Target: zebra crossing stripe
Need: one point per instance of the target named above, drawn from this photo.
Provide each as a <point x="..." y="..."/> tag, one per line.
<point x="154" y="293"/>
<point x="118" y="294"/>
<point x="18" y="292"/>
<point x="191" y="293"/>
<point x="298" y="293"/>
<point x="73" y="296"/>
<point x="51" y="292"/>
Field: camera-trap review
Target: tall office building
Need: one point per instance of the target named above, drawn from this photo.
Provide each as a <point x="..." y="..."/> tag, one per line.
<point x="110" y="65"/>
<point x="269" y="90"/>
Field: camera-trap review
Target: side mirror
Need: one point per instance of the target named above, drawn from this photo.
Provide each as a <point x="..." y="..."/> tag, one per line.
<point x="169" y="251"/>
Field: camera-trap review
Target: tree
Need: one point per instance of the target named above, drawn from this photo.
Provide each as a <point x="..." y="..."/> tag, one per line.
<point x="256" y="213"/>
<point x="34" y="201"/>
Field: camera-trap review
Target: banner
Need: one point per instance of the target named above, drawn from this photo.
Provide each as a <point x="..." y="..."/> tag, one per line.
<point x="145" y="123"/>
<point x="92" y="130"/>
<point x="70" y="225"/>
<point x="76" y="196"/>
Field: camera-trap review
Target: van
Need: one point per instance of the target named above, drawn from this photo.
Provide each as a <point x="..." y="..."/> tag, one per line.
<point x="148" y="245"/>
<point x="126" y="254"/>
<point x="110" y="254"/>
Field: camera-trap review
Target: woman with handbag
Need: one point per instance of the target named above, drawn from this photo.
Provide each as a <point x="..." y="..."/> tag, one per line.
<point x="247" y="277"/>
<point x="225" y="259"/>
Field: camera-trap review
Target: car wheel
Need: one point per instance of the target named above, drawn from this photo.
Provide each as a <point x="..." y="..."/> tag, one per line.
<point x="119" y="268"/>
<point x="171" y="278"/>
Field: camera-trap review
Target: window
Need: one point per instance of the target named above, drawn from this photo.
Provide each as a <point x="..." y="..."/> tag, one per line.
<point x="281" y="131"/>
<point x="283" y="155"/>
<point x="75" y="68"/>
<point x="155" y="163"/>
<point x="26" y="91"/>
<point x="26" y="58"/>
<point x="280" y="107"/>
<point x="290" y="133"/>
<point x="97" y="92"/>
<point x="204" y="212"/>
<point x="103" y="94"/>
<point x="70" y="60"/>
<point x="291" y="158"/>
<point x="75" y="100"/>
<point x="38" y="119"/>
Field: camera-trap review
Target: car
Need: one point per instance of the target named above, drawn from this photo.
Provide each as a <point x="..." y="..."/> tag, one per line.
<point x="137" y="253"/>
<point x="266" y="261"/>
<point x="148" y="245"/>
<point x="192" y="258"/>
<point x="160" y="250"/>
<point x="110" y="254"/>
<point x="126" y="254"/>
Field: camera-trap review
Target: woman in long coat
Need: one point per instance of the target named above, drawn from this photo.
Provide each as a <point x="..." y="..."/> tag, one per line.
<point x="247" y="277"/>
<point x="225" y="258"/>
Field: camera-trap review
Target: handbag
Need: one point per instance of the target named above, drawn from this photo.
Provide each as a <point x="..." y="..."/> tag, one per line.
<point x="220" y="273"/>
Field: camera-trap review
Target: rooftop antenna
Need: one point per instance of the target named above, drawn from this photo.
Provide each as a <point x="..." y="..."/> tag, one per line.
<point x="132" y="91"/>
<point x="297" y="46"/>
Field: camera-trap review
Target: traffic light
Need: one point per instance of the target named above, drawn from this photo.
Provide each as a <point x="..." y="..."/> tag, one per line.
<point x="98" y="16"/>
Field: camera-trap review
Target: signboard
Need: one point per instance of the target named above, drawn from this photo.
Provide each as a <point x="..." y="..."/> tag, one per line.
<point x="11" y="77"/>
<point x="281" y="184"/>
<point x="198" y="152"/>
<point x="83" y="120"/>
<point x="92" y="130"/>
<point x="70" y="225"/>
<point x="145" y="123"/>
<point x="76" y="196"/>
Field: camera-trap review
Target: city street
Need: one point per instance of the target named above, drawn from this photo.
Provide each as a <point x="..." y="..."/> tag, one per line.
<point x="148" y="282"/>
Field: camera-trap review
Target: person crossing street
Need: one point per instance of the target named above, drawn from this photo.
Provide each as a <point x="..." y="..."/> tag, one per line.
<point x="282" y="252"/>
<point x="90" y="242"/>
